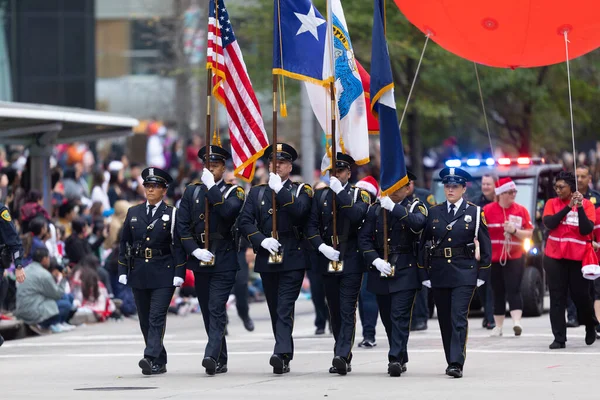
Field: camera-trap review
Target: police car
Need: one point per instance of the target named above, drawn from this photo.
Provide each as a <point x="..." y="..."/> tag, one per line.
<point x="534" y="180"/>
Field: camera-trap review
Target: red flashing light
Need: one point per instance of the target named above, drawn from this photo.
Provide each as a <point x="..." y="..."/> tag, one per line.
<point x="504" y="161"/>
<point x="523" y="161"/>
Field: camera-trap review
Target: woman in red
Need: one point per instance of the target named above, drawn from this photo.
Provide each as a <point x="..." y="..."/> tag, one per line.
<point x="509" y="224"/>
<point x="570" y="219"/>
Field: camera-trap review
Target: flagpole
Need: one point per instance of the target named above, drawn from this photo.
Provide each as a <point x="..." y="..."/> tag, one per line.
<point x="385" y="214"/>
<point x="274" y="233"/>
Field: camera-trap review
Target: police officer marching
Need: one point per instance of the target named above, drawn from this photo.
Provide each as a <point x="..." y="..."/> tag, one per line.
<point x="280" y="260"/>
<point x="458" y="259"/>
<point x="11" y="248"/>
<point x="152" y="263"/>
<point x="214" y="269"/>
<point x="343" y="268"/>
<point x="395" y="281"/>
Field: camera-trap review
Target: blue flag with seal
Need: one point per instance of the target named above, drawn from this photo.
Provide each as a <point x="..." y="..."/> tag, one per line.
<point x="300" y="42"/>
<point x="383" y="105"/>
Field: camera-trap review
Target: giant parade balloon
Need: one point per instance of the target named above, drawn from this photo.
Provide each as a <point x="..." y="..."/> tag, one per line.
<point x="508" y="33"/>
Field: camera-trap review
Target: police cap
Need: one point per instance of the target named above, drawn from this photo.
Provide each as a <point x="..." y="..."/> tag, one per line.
<point x="343" y="161"/>
<point x="285" y="152"/>
<point x="455" y="175"/>
<point x="411" y="176"/>
<point x="156" y="175"/>
<point x="217" y="153"/>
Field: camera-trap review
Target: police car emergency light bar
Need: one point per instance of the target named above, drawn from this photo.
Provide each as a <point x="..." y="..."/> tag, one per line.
<point x="490" y="162"/>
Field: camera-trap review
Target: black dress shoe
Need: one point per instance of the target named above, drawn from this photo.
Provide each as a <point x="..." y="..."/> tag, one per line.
<point x="556" y="345"/>
<point x="484" y="323"/>
<point x="320" y="331"/>
<point x="395" y="368"/>
<point x="454" y="371"/>
<point x="158" y="369"/>
<point x="249" y="324"/>
<point x="279" y="364"/>
<point x="419" y="326"/>
<point x="404" y="368"/>
<point x="210" y="364"/>
<point x="340" y="365"/>
<point x="572" y="323"/>
<point x="221" y="368"/>
<point x="146" y="365"/>
<point x="590" y="335"/>
<point x="333" y="370"/>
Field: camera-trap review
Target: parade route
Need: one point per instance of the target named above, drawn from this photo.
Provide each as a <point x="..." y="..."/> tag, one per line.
<point x="100" y="361"/>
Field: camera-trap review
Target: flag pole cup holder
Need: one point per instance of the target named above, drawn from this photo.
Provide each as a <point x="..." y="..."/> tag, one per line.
<point x="335" y="267"/>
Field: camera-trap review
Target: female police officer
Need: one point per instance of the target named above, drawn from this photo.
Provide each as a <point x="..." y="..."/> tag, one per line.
<point x="152" y="262"/>
<point x="458" y="259"/>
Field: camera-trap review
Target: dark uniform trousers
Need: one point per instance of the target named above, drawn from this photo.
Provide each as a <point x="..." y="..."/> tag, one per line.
<point x="158" y="258"/>
<point x="453" y="270"/>
<point x="240" y="288"/>
<point x="213" y="283"/>
<point x="396" y="295"/>
<point x="317" y="291"/>
<point x="343" y="288"/>
<point x="281" y="282"/>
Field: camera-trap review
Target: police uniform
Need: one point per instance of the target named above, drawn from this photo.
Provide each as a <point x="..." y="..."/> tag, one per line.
<point x="282" y="282"/>
<point x="214" y="281"/>
<point x="396" y="294"/>
<point x="421" y="309"/>
<point x="12" y="248"/>
<point x="343" y="287"/>
<point x="452" y="267"/>
<point x="151" y="256"/>
<point x="592" y="196"/>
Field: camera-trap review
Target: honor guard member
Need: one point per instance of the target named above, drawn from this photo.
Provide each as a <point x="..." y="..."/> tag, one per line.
<point x="152" y="263"/>
<point x="280" y="262"/>
<point x="214" y="269"/>
<point x="458" y="259"/>
<point x="11" y="248"/>
<point x="395" y="282"/>
<point x="584" y="178"/>
<point x="342" y="268"/>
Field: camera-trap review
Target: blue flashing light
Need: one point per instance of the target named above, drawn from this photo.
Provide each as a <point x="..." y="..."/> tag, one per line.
<point x="534" y="251"/>
<point x="473" y="162"/>
<point x="490" y="162"/>
<point x="453" y="163"/>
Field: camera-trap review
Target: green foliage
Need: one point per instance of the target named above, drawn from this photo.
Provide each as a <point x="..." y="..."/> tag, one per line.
<point x="527" y="109"/>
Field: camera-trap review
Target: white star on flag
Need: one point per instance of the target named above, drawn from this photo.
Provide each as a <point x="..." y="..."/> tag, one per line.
<point x="310" y="23"/>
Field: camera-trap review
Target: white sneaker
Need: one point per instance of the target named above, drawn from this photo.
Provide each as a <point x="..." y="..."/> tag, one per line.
<point x="496" y="332"/>
<point x="57" y="328"/>
<point x="67" y="327"/>
<point x="517" y="328"/>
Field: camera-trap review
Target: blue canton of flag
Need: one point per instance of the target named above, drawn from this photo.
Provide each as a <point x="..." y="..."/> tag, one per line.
<point x="299" y="42"/>
<point x="383" y="105"/>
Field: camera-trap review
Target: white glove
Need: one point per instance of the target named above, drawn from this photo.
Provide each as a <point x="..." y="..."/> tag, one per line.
<point x="123" y="279"/>
<point x="203" y="255"/>
<point x="387" y="203"/>
<point x="208" y="178"/>
<point x="480" y="282"/>
<point x="271" y="244"/>
<point x="383" y="267"/>
<point x="275" y="182"/>
<point x="329" y="252"/>
<point x="335" y="185"/>
<point x="177" y="281"/>
<point x="427" y="283"/>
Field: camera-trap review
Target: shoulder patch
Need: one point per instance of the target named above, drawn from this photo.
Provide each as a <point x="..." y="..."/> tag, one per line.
<point x="431" y="200"/>
<point x="593" y="200"/>
<point x="239" y="192"/>
<point x="308" y="190"/>
<point x="483" y="221"/>
<point x="422" y="209"/>
<point x="365" y="196"/>
<point x="6" y="216"/>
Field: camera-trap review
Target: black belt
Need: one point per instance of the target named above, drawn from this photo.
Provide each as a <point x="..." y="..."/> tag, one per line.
<point x="341" y="239"/>
<point x="400" y="249"/>
<point x="150" y="253"/>
<point x="449" y="252"/>
<point x="213" y="237"/>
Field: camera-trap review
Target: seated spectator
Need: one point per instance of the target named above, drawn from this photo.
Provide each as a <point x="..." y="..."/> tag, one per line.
<point x="36" y="238"/>
<point x="33" y="207"/>
<point x="77" y="245"/>
<point x="67" y="211"/>
<point x="90" y="293"/>
<point x="41" y="302"/>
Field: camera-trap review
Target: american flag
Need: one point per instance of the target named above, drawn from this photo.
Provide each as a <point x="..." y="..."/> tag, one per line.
<point x="232" y="87"/>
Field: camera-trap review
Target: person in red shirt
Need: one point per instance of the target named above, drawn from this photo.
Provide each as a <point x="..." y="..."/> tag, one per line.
<point x="570" y="219"/>
<point x="509" y="224"/>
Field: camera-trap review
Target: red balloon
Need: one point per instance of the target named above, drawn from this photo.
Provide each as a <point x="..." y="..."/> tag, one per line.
<point x="508" y="33"/>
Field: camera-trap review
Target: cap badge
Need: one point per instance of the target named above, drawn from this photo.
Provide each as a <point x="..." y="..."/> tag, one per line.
<point x="452" y="171"/>
<point x="151" y="172"/>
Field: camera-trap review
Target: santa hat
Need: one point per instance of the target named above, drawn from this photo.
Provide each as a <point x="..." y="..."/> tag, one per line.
<point x="369" y="184"/>
<point x="590" y="268"/>
<point x="504" y="185"/>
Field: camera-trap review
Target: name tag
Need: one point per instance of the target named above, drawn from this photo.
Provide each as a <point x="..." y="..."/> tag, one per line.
<point x="572" y="218"/>
<point x="516" y="220"/>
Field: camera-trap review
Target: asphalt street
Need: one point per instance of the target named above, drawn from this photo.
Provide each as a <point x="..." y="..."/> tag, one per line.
<point x="100" y="361"/>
